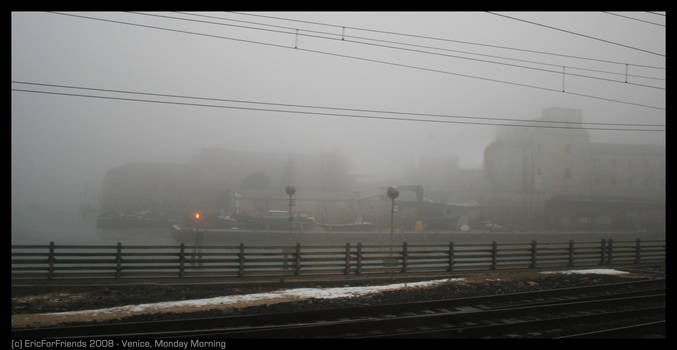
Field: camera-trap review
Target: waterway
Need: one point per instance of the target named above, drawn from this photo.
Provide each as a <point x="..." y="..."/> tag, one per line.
<point x="69" y="227"/>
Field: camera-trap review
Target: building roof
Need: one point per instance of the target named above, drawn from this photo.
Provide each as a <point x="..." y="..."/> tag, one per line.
<point x="626" y="149"/>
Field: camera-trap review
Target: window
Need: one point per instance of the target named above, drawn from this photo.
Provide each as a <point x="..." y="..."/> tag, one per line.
<point x="538" y="171"/>
<point x="567" y="148"/>
<point x="597" y="181"/>
<point x="567" y="173"/>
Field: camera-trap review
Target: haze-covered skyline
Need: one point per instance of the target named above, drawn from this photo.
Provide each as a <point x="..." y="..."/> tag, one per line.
<point x="61" y="143"/>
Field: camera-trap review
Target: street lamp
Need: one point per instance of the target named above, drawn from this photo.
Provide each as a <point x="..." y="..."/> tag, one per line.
<point x="199" y="237"/>
<point x="393" y="192"/>
<point x="290" y="189"/>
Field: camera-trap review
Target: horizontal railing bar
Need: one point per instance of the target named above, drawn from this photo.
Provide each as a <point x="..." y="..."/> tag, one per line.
<point x="29" y="268"/>
<point x="458" y="251"/>
<point x="305" y="253"/>
<point x="525" y="254"/>
<point x="336" y="270"/>
<point x="147" y="246"/>
<point x="440" y="255"/>
<point x="323" y="259"/>
<point x="267" y="253"/>
<point x="69" y="246"/>
<point x="552" y="248"/>
<point x="438" y="245"/>
<point x="87" y="261"/>
<point x="147" y="273"/>
<point x="437" y="251"/>
<point x="62" y="268"/>
<point x="323" y="246"/>
<point x="525" y="250"/>
<point x="31" y="261"/>
<point x="265" y="260"/>
<point x="309" y="267"/>
<point x="235" y="261"/>
<point x="36" y="254"/>
<point x="212" y="267"/>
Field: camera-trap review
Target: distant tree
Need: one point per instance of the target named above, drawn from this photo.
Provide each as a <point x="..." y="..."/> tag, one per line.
<point x="257" y="180"/>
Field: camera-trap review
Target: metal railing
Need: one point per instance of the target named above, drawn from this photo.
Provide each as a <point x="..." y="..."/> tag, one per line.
<point x="185" y="261"/>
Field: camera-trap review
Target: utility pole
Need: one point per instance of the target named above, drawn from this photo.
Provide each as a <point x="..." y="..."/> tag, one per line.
<point x="392" y="193"/>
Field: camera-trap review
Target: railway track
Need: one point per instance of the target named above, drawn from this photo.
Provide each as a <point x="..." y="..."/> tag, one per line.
<point x="655" y="329"/>
<point x="546" y="313"/>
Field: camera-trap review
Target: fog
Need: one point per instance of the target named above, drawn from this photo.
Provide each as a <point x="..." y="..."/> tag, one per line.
<point x="63" y="145"/>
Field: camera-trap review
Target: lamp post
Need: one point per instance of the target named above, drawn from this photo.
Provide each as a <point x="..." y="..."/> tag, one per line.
<point x="290" y="189"/>
<point x="199" y="237"/>
<point x="393" y="192"/>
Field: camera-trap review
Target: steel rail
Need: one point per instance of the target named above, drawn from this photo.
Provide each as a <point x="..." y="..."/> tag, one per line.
<point x="384" y="325"/>
<point x="496" y="329"/>
<point x="358" y="327"/>
<point x="254" y="320"/>
<point x="620" y="331"/>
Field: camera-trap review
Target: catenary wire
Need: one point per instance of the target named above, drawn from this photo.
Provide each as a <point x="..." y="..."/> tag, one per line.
<point x="321" y="113"/>
<point x="412" y="50"/>
<point x="457" y="41"/>
<point x="655" y="13"/>
<point x="574" y="33"/>
<point x="429" y="47"/>
<point x="421" y="51"/>
<point x="322" y="107"/>
<point x="363" y="59"/>
<point x="636" y="19"/>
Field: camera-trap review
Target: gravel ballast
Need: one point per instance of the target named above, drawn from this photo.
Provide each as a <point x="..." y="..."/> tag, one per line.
<point x="30" y="304"/>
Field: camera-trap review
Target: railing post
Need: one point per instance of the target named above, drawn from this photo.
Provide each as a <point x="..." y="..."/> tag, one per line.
<point x="404" y="256"/>
<point x="50" y="259"/>
<point x="347" y="270"/>
<point x="601" y="251"/>
<point x="637" y="257"/>
<point x="359" y="258"/>
<point x="297" y="263"/>
<point x="533" y="255"/>
<point x="241" y="255"/>
<point x="451" y="257"/>
<point x="118" y="260"/>
<point x="182" y="259"/>
<point x="494" y="252"/>
<point x="571" y="253"/>
<point x="610" y="251"/>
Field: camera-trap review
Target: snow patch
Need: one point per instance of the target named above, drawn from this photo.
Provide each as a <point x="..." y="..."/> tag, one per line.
<point x="590" y="271"/>
<point x="268" y="297"/>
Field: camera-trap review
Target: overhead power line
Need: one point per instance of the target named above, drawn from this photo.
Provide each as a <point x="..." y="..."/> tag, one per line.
<point x="320" y="113"/>
<point x="579" y="34"/>
<point x="323" y="107"/>
<point x="342" y="39"/>
<point x="343" y="35"/>
<point x="655" y="13"/>
<point x="636" y="19"/>
<point x="457" y="41"/>
<point x="364" y="59"/>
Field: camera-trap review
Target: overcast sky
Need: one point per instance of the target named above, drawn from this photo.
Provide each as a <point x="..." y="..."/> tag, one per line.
<point x="60" y="143"/>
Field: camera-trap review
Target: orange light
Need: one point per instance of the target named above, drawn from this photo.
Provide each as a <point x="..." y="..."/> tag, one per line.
<point x="197" y="216"/>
